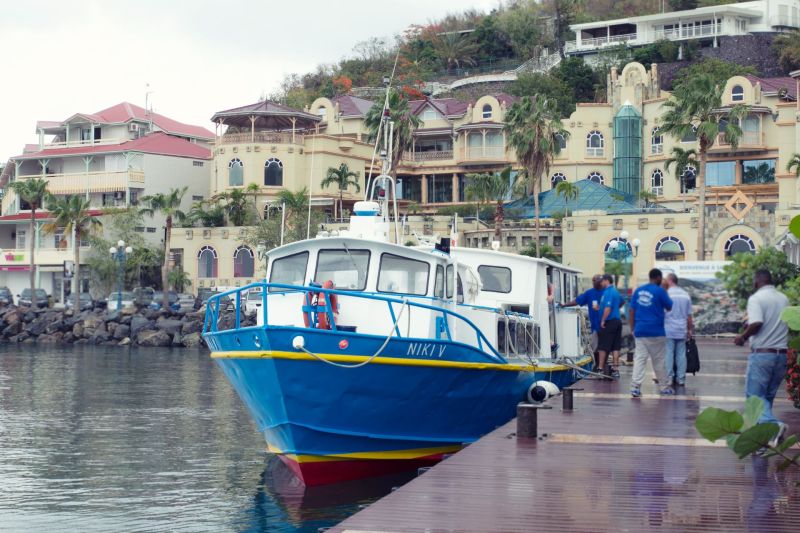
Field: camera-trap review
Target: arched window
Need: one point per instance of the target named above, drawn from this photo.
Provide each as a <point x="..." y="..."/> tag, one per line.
<point x="739" y="244"/>
<point x="737" y="94"/>
<point x="657" y="182"/>
<point x="691" y="136"/>
<point x="557" y="178"/>
<point x="322" y="112"/>
<point x="594" y="144"/>
<point x="487" y="111"/>
<point x="207" y="262"/>
<point x="243" y="262"/>
<point x="596" y="177"/>
<point x="561" y="141"/>
<point x="273" y="172"/>
<point x="656" y="142"/>
<point x="235" y="173"/>
<point x="670" y="249"/>
<point x="688" y="179"/>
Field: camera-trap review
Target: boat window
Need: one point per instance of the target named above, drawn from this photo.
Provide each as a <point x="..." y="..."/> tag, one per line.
<point x="289" y="270"/>
<point x="449" y="281"/>
<point x="460" y="290"/>
<point x="403" y="275"/>
<point x="438" y="285"/>
<point x="495" y="278"/>
<point x="347" y="269"/>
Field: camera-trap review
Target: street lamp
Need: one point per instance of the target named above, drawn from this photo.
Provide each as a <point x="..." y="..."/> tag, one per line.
<point x="620" y="251"/>
<point x="120" y="253"/>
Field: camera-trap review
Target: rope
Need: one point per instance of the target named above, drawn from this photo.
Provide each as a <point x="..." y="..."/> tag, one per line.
<point x="373" y="356"/>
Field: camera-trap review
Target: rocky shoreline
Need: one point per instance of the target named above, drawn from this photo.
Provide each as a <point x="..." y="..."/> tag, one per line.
<point x="128" y="327"/>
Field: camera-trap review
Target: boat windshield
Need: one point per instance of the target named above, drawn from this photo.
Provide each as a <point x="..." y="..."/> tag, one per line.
<point x="347" y="269"/>
<point x="289" y="270"/>
<point x="403" y="275"/>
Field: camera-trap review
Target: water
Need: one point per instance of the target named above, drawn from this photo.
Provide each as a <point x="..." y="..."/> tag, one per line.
<point x="100" y="439"/>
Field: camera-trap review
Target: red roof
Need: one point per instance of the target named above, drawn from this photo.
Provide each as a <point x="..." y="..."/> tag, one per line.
<point x="41" y="215"/>
<point x="352" y="106"/>
<point x="774" y="85"/>
<point x="447" y="106"/>
<point x="156" y="143"/>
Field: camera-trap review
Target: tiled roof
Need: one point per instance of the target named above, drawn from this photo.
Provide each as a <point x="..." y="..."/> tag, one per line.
<point x="156" y="143"/>
<point x="41" y="214"/>
<point x="505" y="98"/>
<point x="446" y="106"/>
<point x="265" y="107"/>
<point x="125" y="112"/>
<point x="773" y="85"/>
<point x="352" y="106"/>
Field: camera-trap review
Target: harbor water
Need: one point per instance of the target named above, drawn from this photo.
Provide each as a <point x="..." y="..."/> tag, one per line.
<point x="102" y="439"/>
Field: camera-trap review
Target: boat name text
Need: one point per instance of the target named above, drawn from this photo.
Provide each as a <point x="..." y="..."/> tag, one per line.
<point x="423" y="349"/>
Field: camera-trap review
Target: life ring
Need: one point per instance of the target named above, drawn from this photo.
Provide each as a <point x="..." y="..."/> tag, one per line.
<point x="315" y="303"/>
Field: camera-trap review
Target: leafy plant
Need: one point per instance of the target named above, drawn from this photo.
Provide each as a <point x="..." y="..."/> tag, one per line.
<point x="32" y="191"/>
<point x="486" y="188"/>
<point x="545" y="252"/>
<point x="343" y="178"/>
<point x="737" y="276"/>
<point x="744" y="434"/>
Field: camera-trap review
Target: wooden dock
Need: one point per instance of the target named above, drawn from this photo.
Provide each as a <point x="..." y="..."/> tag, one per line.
<point x="613" y="464"/>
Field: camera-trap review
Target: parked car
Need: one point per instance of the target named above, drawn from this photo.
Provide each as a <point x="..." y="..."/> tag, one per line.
<point x="158" y="300"/>
<point x="86" y="301"/>
<point x="205" y="293"/>
<point x="253" y="301"/>
<point x="185" y="302"/>
<point x="127" y="300"/>
<point x="143" y="296"/>
<point x="42" y="300"/>
<point x="6" y="298"/>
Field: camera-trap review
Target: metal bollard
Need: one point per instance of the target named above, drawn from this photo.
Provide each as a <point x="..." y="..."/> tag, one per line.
<point x="527" y="420"/>
<point x="567" y="402"/>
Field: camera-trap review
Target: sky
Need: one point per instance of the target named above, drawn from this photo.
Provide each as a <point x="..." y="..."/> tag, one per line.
<point x="200" y="56"/>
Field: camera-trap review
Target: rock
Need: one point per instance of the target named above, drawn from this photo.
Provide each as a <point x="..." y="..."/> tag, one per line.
<point x="19" y="338"/>
<point x="81" y="341"/>
<point x="112" y="316"/>
<point x="28" y="340"/>
<point x="154" y="338"/>
<point x="125" y="342"/>
<point x="128" y="311"/>
<point x="169" y="325"/>
<point x="122" y="331"/>
<point x="192" y="339"/>
<point x="77" y="330"/>
<point x="176" y="340"/>
<point x="151" y="314"/>
<point x="37" y="327"/>
<point x="12" y="329"/>
<point x="53" y="327"/>
<point x="92" y="322"/>
<point x="71" y="321"/>
<point x="68" y="337"/>
<point x="99" y="336"/>
<point x="125" y="319"/>
<point x="138" y="323"/>
<point x="55" y="338"/>
<point x="29" y="316"/>
<point x="191" y="326"/>
<point x="111" y="327"/>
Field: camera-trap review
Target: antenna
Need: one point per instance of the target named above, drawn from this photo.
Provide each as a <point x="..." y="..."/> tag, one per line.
<point x="147" y="105"/>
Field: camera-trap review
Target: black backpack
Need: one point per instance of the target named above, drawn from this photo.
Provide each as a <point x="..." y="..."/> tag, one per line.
<point x="692" y="357"/>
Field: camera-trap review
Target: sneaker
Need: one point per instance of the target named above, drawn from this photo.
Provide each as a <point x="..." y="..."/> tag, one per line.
<point x="778" y="438"/>
<point x="681" y="384"/>
<point x="667" y="391"/>
<point x="636" y="392"/>
<point x="615" y="373"/>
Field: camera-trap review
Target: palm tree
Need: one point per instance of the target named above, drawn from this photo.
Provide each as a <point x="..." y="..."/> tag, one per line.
<point x="532" y="125"/>
<point x="486" y="188"/>
<point x="682" y="160"/>
<point x="253" y="189"/>
<point x="169" y="205"/>
<point x="404" y="125"/>
<point x="763" y="173"/>
<point x="696" y="106"/>
<point x="34" y="192"/>
<point x="235" y="206"/>
<point x="343" y="178"/>
<point x="647" y="197"/>
<point x="295" y="205"/>
<point x="794" y="165"/>
<point x="72" y="213"/>
<point x="568" y="191"/>
<point x="455" y="50"/>
<point x="179" y="279"/>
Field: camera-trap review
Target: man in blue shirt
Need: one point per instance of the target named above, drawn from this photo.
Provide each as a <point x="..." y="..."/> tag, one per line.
<point x="649" y="303"/>
<point x="610" y="333"/>
<point x="591" y="299"/>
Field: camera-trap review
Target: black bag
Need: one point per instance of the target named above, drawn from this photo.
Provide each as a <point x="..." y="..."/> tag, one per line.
<point x="692" y="357"/>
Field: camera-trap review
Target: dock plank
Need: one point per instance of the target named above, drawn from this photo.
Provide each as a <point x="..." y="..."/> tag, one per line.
<point x="613" y="464"/>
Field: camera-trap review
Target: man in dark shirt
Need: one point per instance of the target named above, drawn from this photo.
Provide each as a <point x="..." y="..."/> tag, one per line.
<point x="610" y="333"/>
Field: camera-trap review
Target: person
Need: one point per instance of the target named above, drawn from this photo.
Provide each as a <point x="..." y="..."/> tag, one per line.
<point x="646" y="315"/>
<point x="768" y="336"/>
<point x="590" y="298"/>
<point x="678" y="326"/>
<point x="609" y="338"/>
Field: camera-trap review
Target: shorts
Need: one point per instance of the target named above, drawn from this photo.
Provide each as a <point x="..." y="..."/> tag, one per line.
<point x="593" y="341"/>
<point x="609" y="338"/>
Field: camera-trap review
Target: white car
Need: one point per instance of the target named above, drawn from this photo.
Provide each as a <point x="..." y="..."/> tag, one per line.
<point x="253" y="301"/>
<point x="113" y="298"/>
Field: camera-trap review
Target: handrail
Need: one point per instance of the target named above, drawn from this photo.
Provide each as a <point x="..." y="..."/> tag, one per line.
<point x="213" y="306"/>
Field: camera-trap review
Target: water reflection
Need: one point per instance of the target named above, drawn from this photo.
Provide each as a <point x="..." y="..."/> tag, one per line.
<point x="142" y="440"/>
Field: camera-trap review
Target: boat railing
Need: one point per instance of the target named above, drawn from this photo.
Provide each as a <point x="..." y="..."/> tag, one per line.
<point x="214" y="309"/>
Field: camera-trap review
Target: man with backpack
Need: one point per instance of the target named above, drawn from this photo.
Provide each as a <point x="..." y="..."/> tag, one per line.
<point x="678" y="327"/>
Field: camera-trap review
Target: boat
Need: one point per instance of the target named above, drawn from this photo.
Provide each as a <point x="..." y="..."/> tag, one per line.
<point x="370" y="358"/>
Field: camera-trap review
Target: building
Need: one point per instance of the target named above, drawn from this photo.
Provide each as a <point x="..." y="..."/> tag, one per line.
<point x="704" y="24"/>
<point x="113" y="157"/>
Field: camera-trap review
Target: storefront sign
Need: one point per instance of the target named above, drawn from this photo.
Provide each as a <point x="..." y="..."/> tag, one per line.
<point x="697" y="270"/>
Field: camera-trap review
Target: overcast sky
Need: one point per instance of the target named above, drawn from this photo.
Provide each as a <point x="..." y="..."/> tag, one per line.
<point x="199" y="56"/>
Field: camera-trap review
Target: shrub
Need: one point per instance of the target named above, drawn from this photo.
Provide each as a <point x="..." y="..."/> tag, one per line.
<point x="738" y="275"/>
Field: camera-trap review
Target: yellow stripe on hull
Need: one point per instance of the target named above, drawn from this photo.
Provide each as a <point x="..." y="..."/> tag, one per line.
<point x="390" y="454"/>
<point x="338" y="358"/>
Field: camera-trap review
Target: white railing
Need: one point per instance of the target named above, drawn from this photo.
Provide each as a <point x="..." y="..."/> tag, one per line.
<point x="438" y="155"/>
<point x="597" y="42"/>
<point x="74" y="143"/>
<point x="748" y="138"/>
<point x="485" y="152"/>
<point x="269" y="137"/>
<point x="81" y="182"/>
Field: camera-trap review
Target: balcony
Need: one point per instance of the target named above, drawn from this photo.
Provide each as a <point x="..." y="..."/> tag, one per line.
<point x="422" y="157"/>
<point x="753" y="140"/>
<point x="491" y="153"/>
<point x="263" y="137"/>
<point x="599" y="42"/>
<point x="75" y="143"/>
<point x="18" y="258"/>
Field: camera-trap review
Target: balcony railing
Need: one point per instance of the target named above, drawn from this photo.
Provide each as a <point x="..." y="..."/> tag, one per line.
<point x="266" y="137"/>
<point x="598" y="42"/>
<point x="420" y="157"/>
<point x="688" y="32"/>
<point x="77" y="142"/>
<point x="486" y="152"/>
<point x="747" y="139"/>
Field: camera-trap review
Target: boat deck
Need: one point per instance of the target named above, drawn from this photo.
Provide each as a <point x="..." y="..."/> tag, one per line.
<point x="613" y="464"/>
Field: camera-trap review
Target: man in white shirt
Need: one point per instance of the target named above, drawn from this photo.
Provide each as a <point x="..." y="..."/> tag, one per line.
<point x="679" y="327"/>
<point x="768" y="335"/>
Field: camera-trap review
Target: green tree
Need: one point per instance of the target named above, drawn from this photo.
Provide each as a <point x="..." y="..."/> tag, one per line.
<point x="531" y="128"/>
<point x="253" y="189"/>
<point x="718" y="70"/>
<point x="564" y="13"/>
<point x="455" y="50"/>
<point x="568" y="191"/>
<point x="579" y="77"/>
<point x="794" y="165"/>
<point x="235" y="207"/>
<point x="547" y="86"/>
<point x="682" y="5"/>
<point x="545" y="252"/>
<point x="179" y="279"/>
<point x="647" y="197"/>
<point x="296" y="214"/>
<point x="737" y="276"/>
<point x="492" y="43"/>
<point x="681" y="159"/>
<point x="787" y="46"/>
<point x="72" y="213"/>
<point x="485" y="188"/>
<point x="696" y="104"/>
<point x="169" y="205"/>
<point x="525" y="24"/>
<point x="33" y="191"/>
<point x="404" y="125"/>
<point x="343" y="178"/>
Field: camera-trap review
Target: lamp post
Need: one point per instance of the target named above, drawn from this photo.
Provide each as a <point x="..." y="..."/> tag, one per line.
<point x="620" y="251"/>
<point x="120" y="253"/>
